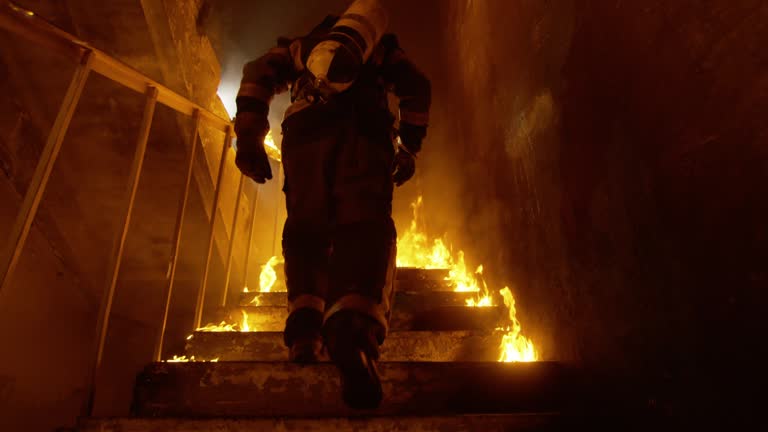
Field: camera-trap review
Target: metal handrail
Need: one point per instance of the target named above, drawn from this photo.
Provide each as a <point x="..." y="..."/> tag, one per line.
<point x="26" y="24"/>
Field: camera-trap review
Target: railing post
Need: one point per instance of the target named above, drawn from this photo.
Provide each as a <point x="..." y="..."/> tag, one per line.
<point x="232" y="241"/>
<point x="277" y="208"/>
<point x="177" y="234"/>
<point x="116" y="258"/>
<point x="43" y="170"/>
<point x="250" y="234"/>
<point x="214" y="208"/>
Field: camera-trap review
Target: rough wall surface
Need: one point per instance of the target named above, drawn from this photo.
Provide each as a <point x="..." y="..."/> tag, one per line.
<point x="617" y="152"/>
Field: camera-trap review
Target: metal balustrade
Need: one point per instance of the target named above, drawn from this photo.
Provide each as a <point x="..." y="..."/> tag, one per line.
<point x="27" y="25"/>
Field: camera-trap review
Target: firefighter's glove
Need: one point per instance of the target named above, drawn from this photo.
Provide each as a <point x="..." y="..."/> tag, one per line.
<point x="404" y="166"/>
<point x="252" y="160"/>
<point x="405" y="158"/>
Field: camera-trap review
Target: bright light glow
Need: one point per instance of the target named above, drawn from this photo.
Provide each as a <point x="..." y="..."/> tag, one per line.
<point x="228" y="93"/>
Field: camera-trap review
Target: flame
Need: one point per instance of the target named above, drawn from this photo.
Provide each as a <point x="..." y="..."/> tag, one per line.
<point x="244" y="327"/>
<point x="271" y="148"/>
<point x="268" y="275"/>
<point x="414" y="249"/>
<point x="514" y="346"/>
<point x="221" y="327"/>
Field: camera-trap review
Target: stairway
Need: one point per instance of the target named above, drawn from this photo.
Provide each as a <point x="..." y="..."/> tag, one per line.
<point x="439" y="373"/>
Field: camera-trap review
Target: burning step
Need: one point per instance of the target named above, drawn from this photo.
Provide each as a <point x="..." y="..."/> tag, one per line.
<point x="411" y="279"/>
<point x="259" y="389"/>
<point x="420" y="346"/>
<point x="446" y="318"/>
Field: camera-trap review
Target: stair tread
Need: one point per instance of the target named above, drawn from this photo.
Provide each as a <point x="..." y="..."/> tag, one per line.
<point x="272" y="318"/>
<point x="442" y="346"/>
<point x="452" y="423"/>
<point x="290" y="390"/>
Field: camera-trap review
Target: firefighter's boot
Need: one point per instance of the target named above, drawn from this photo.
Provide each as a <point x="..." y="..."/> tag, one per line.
<point x="303" y="335"/>
<point x="352" y="341"/>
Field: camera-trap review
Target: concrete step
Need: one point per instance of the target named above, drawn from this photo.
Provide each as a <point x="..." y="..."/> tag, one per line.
<point x="407" y="279"/>
<point x="455" y="423"/>
<point x="403" y="299"/>
<point x="446" y="318"/>
<point x="414" y="280"/>
<point x="399" y="346"/>
<point x="257" y="389"/>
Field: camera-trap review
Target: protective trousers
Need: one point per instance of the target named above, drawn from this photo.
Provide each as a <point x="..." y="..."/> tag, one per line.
<point x="339" y="240"/>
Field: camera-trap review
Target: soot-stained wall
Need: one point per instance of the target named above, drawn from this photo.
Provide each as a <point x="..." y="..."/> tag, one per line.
<point x="612" y="166"/>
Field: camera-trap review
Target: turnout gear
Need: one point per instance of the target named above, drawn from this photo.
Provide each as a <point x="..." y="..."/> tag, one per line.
<point x="410" y="145"/>
<point x="251" y="127"/>
<point x="338" y="154"/>
<point x="303" y="335"/>
<point x="352" y="339"/>
<point x="404" y="166"/>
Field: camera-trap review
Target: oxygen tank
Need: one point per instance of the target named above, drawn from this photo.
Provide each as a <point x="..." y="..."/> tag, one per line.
<point x="335" y="62"/>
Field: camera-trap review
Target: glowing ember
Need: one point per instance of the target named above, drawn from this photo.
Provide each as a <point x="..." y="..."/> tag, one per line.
<point x="514" y="346"/>
<point x="221" y="327"/>
<point x="242" y="326"/>
<point x="184" y="359"/>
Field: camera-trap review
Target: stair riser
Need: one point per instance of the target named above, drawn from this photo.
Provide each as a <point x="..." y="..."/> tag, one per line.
<point x="272" y="318"/>
<point x="403" y="299"/>
<point x="408" y="279"/>
<point x="287" y="390"/>
<point x="399" y="346"/>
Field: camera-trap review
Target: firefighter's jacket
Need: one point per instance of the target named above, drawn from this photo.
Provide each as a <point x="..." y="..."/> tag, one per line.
<point x="388" y="70"/>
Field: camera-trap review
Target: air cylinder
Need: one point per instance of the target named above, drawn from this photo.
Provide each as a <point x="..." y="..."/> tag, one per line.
<point x="336" y="60"/>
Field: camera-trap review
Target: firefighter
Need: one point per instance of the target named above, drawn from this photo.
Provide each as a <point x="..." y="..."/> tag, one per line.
<point x="342" y="157"/>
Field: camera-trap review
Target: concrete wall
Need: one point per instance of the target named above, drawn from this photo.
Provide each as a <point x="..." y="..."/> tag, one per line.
<point x="612" y="165"/>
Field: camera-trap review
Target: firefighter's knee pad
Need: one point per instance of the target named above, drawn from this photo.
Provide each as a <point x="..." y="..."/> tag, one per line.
<point x="375" y="314"/>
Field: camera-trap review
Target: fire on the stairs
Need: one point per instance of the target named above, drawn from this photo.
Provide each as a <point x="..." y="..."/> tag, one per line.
<point x="415" y="249"/>
<point x="268" y="276"/>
